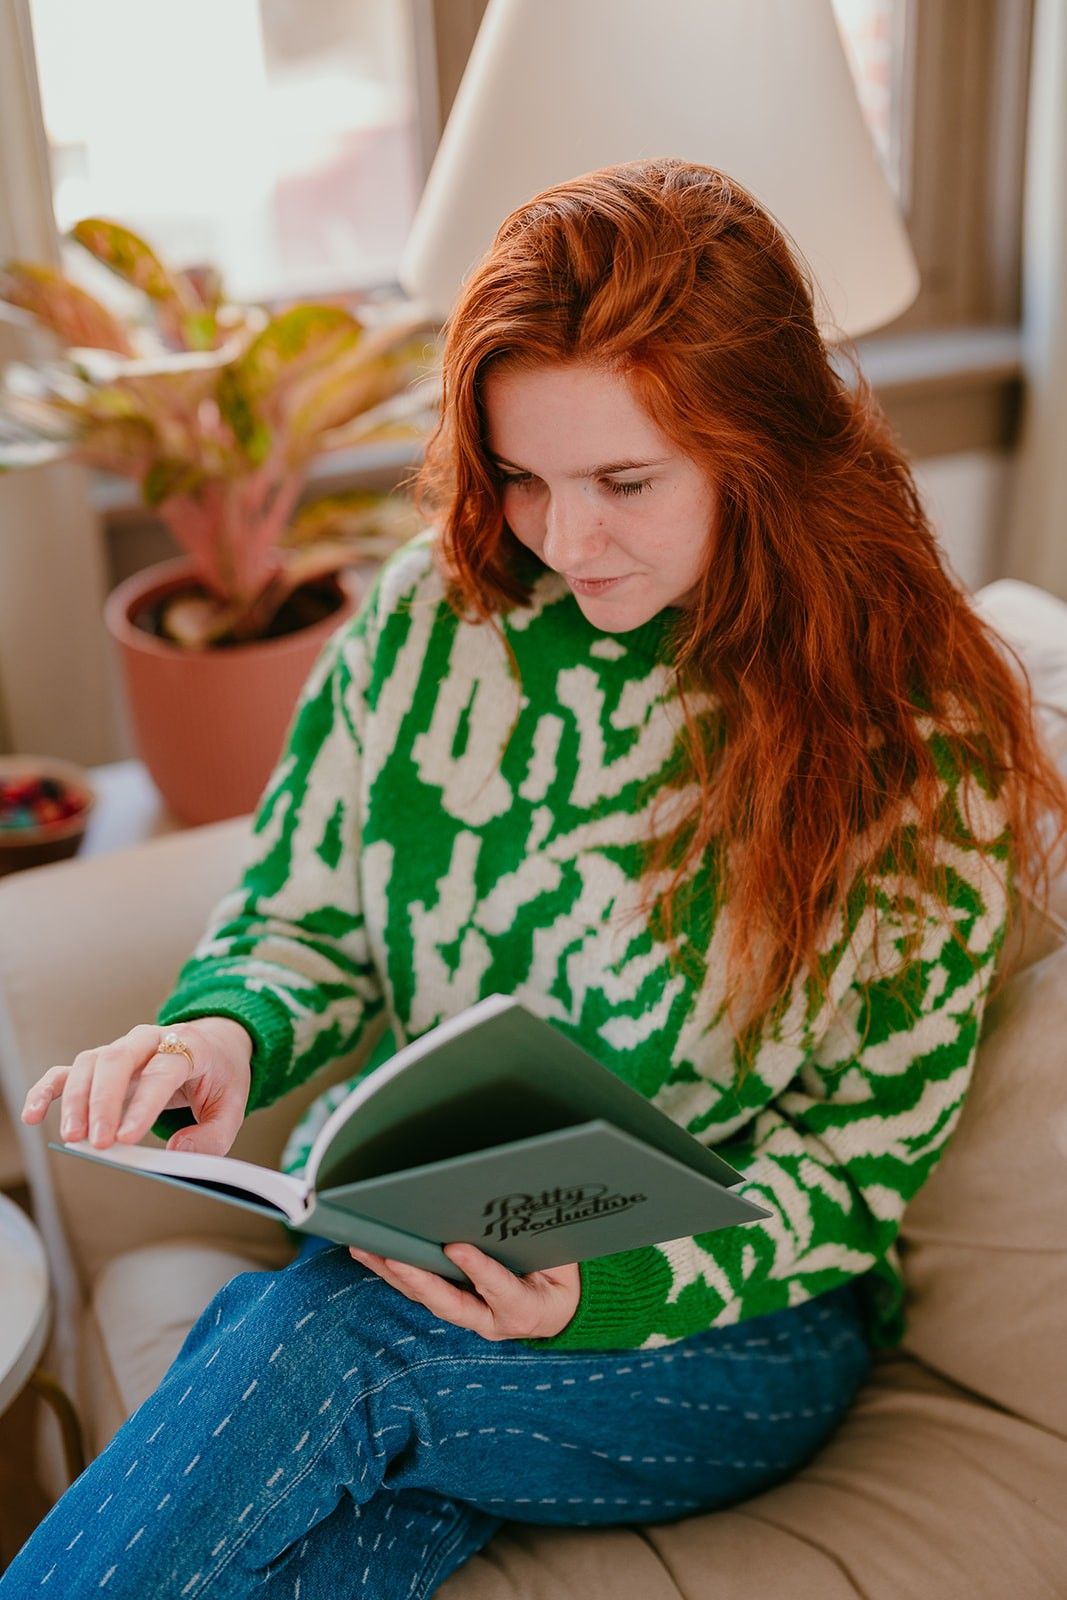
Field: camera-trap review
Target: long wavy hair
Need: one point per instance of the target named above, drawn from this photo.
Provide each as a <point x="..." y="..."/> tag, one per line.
<point x="826" y="635"/>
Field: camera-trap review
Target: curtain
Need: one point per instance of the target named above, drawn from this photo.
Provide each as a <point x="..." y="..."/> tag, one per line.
<point x="1037" y="535"/>
<point x="58" y="678"/>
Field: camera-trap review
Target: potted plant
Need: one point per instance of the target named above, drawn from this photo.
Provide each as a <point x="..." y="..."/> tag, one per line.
<point x="217" y="411"/>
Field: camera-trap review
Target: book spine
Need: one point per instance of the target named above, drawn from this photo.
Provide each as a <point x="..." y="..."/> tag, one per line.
<point x="348" y="1227"/>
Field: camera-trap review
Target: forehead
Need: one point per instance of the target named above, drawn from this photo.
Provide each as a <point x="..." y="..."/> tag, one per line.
<point x="567" y="410"/>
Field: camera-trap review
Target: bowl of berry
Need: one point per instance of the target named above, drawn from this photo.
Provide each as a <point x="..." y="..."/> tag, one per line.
<point x="44" y="807"/>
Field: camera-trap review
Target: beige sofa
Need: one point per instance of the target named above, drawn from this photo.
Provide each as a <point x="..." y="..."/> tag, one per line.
<point x="948" y="1481"/>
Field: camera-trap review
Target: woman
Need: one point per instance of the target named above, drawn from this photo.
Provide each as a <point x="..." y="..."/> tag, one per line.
<point x="674" y="726"/>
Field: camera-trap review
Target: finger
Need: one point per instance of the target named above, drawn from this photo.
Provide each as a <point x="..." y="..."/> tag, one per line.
<point x="365" y="1256"/>
<point x="118" y="1066"/>
<point x="48" y="1087"/>
<point x="381" y="1269"/>
<point x="74" y="1117"/>
<point x="154" y="1090"/>
<point x="217" y="1095"/>
<point x="446" y="1300"/>
<point x="378" y="1265"/>
<point x="219" y="1116"/>
<point x="139" y="1112"/>
<point x="498" y="1286"/>
<point x="518" y="1305"/>
<point x="156" y="1085"/>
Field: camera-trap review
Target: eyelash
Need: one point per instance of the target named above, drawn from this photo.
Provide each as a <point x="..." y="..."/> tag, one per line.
<point x="522" y="479"/>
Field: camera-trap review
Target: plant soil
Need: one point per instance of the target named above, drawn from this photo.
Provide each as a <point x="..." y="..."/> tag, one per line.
<point x="302" y="609"/>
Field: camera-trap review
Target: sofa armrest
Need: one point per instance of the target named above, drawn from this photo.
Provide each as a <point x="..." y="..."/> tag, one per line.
<point x="1034" y="624"/>
<point x="88" y="948"/>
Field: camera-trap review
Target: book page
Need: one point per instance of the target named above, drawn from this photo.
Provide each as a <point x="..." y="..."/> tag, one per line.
<point x="288" y="1194"/>
<point x="493" y="1074"/>
<point x="332" y="1133"/>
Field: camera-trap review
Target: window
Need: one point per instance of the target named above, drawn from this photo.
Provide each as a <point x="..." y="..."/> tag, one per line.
<point x="944" y="86"/>
<point x="315" y="124"/>
<point x="279" y="140"/>
<point x="943" y="82"/>
<point x="944" y="89"/>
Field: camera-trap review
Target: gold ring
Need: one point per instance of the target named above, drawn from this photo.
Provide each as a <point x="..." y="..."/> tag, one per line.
<point x="171" y="1045"/>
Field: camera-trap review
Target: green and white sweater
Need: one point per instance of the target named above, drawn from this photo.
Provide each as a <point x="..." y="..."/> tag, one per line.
<point x="435" y="832"/>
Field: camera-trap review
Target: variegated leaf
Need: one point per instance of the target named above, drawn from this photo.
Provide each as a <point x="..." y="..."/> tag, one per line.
<point x="59" y="305"/>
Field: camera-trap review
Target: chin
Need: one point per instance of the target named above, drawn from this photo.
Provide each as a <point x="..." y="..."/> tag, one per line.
<point x="616" y="618"/>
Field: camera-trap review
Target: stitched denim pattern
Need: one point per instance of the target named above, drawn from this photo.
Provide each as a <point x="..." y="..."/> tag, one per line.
<point x="319" y="1435"/>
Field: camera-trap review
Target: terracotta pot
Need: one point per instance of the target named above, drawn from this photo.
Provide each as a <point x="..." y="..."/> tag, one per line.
<point x="210" y="724"/>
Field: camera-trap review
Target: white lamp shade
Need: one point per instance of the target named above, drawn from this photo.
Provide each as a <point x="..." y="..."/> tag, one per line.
<point x="760" y="89"/>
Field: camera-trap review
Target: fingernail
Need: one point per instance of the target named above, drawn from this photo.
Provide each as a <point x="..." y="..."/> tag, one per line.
<point x="99" y="1132"/>
<point x="66" y="1130"/>
<point x="125" y="1128"/>
<point x="180" y="1144"/>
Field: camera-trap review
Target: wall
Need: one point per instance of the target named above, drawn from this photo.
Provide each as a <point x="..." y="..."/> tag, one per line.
<point x="966" y="497"/>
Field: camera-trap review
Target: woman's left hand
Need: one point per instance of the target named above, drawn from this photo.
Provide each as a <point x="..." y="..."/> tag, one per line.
<point x="505" y="1307"/>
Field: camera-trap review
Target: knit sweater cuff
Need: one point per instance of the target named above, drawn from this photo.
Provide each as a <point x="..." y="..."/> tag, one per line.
<point x="268" y="1021"/>
<point x="622" y="1298"/>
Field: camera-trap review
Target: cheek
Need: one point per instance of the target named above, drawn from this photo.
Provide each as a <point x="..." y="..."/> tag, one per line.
<point x="678" y="542"/>
<point x="523" y="527"/>
<point x="524" y="520"/>
<point x="699" y="522"/>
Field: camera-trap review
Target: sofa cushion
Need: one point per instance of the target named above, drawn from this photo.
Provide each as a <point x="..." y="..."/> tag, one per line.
<point x="984" y="1246"/>
<point x="1033" y="624"/>
<point x="143" y="1304"/>
<point x="922" y="1494"/>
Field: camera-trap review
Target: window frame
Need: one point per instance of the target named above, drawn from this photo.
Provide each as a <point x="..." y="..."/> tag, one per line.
<point x="949" y="370"/>
<point x="965" y="143"/>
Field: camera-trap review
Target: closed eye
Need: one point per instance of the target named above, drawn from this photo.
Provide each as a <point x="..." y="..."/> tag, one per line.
<point x="522" y="480"/>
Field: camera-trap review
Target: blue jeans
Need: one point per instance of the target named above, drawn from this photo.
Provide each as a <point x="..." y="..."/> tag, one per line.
<point x="321" y="1436"/>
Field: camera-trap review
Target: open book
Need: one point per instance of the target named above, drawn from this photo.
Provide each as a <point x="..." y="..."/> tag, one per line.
<point x="492" y="1129"/>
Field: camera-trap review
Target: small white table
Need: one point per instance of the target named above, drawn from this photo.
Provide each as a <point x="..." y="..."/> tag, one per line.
<point x="27" y="1312"/>
<point x="27" y="1300"/>
<point x="129" y="809"/>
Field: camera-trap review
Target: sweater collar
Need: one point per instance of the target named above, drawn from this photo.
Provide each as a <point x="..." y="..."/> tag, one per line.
<point x="654" y="637"/>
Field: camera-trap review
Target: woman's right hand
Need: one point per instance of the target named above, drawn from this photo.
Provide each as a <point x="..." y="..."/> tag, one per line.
<point x="117" y="1090"/>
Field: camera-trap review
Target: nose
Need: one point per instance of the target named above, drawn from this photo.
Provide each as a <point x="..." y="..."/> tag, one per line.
<point x="574" y="533"/>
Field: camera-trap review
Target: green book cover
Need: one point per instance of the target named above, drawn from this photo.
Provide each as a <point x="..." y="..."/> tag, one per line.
<point x="492" y="1128"/>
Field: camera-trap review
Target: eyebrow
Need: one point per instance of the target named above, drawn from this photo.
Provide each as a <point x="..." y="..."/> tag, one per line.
<point x="593" y="472"/>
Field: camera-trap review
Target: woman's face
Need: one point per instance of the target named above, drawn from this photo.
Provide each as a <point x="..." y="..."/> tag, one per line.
<point x="594" y="489"/>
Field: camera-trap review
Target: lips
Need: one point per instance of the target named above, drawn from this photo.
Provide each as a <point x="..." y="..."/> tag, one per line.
<point x="595" y="585"/>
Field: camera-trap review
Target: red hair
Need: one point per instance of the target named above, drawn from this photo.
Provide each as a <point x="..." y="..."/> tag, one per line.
<point x="825" y="625"/>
